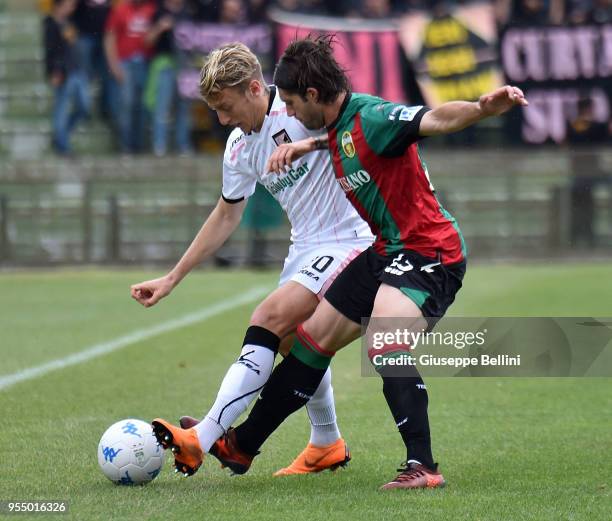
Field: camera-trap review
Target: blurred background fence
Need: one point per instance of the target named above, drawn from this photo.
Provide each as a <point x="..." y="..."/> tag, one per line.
<point x="509" y="203"/>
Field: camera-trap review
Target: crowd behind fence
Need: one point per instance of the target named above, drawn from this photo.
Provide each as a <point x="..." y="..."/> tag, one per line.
<point x="143" y="56"/>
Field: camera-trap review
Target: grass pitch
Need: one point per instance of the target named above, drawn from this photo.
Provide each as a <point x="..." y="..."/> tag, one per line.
<point x="510" y="448"/>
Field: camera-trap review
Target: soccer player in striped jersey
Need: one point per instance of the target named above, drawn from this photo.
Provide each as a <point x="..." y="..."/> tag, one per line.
<point x="326" y="233"/>
<point x="412" y="271"/>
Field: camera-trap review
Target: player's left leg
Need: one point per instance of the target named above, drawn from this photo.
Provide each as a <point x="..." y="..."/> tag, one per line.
<point x="326" y="448"/>
<point x="316" y="269"/>
<point x="321" y="408"/>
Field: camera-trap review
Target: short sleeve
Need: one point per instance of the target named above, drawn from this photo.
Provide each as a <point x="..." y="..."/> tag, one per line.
<point x="239" y="180"/>
<point x="390" y="128"/>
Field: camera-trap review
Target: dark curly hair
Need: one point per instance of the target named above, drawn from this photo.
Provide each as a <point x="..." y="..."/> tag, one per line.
<point x="310" y="63"/>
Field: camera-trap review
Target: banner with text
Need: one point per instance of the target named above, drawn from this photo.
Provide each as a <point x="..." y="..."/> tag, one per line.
<point x="195" y="40"/>
<point x="557" y="67"/>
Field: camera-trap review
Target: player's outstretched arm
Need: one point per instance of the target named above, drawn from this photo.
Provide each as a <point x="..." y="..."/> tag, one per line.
<point x="457" y="115"/>
<point x="284" y="155"/>
<point x="220" y="224"/>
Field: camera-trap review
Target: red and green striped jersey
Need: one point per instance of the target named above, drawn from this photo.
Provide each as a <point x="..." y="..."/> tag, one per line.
<point x="377" y="163"/>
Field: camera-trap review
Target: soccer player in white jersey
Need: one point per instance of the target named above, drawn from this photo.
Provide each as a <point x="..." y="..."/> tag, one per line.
<point x="326" y="234"/>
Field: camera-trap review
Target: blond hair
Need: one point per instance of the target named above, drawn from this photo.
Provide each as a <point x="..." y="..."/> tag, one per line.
<point x="231" y="65"/>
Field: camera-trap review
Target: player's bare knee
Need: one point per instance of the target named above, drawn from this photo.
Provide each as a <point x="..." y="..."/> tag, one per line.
<point x="271" y="317"/>
<point x="320" y="335"/>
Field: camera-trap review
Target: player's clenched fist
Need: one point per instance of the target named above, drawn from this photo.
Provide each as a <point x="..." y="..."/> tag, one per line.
<point x="150" y="292"/>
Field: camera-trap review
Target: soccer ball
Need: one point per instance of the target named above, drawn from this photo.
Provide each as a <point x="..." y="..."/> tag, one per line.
<point x="128" y="453"/>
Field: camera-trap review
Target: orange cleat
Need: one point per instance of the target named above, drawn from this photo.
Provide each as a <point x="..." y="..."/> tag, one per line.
<point x="414" y="475"/>
<point x="317" y="459"/>
<point x="227" y="451"/>
<point x="183" y="443"/>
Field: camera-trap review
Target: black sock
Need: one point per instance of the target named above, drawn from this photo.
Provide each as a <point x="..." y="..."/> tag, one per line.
<point x="290" y="386"/>
<point x="260" y="336"/>
<point x="407" y="398"/>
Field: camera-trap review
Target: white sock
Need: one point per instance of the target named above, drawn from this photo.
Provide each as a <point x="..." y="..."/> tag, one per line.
<point x="322" y="413"/>
<point x="241" y="385"/>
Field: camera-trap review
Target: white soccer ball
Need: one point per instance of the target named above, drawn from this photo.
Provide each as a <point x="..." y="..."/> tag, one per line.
<point x="128" y="453"/>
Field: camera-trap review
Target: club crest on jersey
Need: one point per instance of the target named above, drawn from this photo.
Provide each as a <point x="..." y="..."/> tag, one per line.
<point x="281" y="137"/>
<point x="347" y="144"/>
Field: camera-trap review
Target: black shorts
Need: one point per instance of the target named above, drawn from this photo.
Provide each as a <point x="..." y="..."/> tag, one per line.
<point x="429" y="284"/>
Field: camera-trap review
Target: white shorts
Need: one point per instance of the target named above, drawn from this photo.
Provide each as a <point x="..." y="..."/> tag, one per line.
<point x="317" y="267"/>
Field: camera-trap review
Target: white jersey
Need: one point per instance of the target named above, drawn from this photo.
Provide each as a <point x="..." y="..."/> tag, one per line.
<point x="316" y="206"/>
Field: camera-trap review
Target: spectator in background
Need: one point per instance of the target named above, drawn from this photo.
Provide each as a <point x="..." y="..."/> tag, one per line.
<point x="602" y="11"/>
<point x="128" y="56"/>
<point x="66" y="74"/>
<point x="386" y="9"/>
<point x="316" y="7"/>
<point x="162" y="92"/>
<point x="232" y="12"/>
<point x="257" y="11"/>
<point x="589" y="11"/>
<point x="204" y="10"/>
<point x="412" y="5"/>
<point x="529" y="12"/>
<point x="90" y="18"/>
<point x="578" y="11"/>
<point x="291" y="6"/>
<point x="376" y="9"/>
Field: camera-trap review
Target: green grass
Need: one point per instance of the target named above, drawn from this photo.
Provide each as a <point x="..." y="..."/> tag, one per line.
<point x="510" y="448"/>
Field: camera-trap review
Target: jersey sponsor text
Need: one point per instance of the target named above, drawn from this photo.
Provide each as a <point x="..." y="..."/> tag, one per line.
<point x="355" y="180"/>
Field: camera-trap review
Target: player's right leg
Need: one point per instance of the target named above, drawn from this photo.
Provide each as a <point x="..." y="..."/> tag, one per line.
<point x="419" y="293"/>
<point x="326" y="448"/>
<point x="273" y="318"/>
<point x="405" y="392"/>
